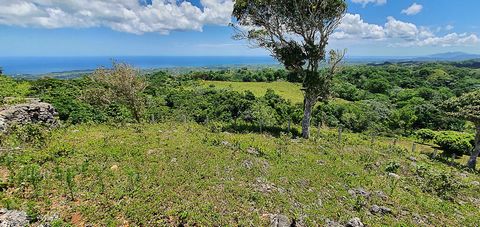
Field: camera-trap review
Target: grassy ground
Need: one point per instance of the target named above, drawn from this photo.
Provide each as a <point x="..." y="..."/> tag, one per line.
<point x="287" y="90"/>
<point x="172" y="174"/>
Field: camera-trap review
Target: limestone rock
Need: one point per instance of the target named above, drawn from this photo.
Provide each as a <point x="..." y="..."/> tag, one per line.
<point x="359" y="192"/>
<point x="393" y="175"/>
<point x="32" y="112"/>
<point x="13" y="218"/>
<point x="280" y="220"/>
<point x="354" y="222"/>
<point x="382" y="210"/>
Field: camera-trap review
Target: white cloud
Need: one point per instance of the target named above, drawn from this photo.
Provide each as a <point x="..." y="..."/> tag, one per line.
<point x="452" y="39"/>
<point x="366" y="2"/>
<point x="353" y="26"/>
<point x="398" y="33"/>
<point x="399" y="29"/>
<point x="132" y="16"/>
<point x="449" y="27"/>
<point x="413" y="9"/>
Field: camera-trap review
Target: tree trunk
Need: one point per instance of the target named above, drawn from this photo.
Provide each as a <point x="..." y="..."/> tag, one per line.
<point x="473" y="159"/>
<point x="307" y="116"/>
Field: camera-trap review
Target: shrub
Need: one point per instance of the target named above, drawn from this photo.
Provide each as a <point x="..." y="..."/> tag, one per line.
<point x="442" y="184"/>
<point x="425" y="135"/>
<point x="33" y="134"/>
<point x="454" y="142"/>
<point x="392" y="167"/>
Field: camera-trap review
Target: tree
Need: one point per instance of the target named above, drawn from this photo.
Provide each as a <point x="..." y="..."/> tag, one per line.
<point x="296" y="33"/>
<point x="467" y="107"/>
<point x="122" y="85"/>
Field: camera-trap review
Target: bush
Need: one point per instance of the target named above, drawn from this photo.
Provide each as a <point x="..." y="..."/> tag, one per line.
<point x="442" y="184"/>
<point x="454" y="142"/>
<point x="392" y="167"/>
<point x="425" y="135"/>
<point x="34" y="134"/>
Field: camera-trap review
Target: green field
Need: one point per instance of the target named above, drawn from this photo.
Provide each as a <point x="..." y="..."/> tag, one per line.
<point x="287" y="90"/>
<point x="191" y="175"/>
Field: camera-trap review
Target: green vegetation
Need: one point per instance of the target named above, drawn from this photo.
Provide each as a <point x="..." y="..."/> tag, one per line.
<point x="201" y="152"/>
<point x="183" y="173"/>
<point x="296" y="33"/>
<point x="288" y="91"/>
<point x="467" y="107"/>
<point x="12" y="88"/>
<point x="454" y="142"/>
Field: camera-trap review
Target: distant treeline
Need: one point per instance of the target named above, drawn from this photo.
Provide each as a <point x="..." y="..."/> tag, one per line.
<point x="393" y="99"/>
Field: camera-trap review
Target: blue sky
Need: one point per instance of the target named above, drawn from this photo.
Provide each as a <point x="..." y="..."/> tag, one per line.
<point x="197" y="28"/>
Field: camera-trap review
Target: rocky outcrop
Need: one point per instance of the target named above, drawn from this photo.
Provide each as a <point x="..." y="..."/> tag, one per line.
<point x="13" y="218"/>
<point x="32" y="112"/>
<point x="280" y="220"/>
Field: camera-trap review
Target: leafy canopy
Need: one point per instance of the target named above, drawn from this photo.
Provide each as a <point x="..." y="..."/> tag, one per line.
<point x="295" y="31"/>
<point x="466" y="106"/>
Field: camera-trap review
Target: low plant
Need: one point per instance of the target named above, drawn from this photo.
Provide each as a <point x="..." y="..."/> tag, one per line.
<point x="454" y="142"/>
<point x="425" y="135"/>
<point x="440" y="183"/>
<point x="392" y="167"/>
<point x="36" y="135"/>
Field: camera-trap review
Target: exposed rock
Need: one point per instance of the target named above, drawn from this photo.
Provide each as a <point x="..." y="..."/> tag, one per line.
<point x="13" y="218"/>
<point x="413" y="159"/>
<point x="280" y="220"/>
<point x="33" y="112"/>
<point x="354" y="222"/>
<point x="330" y="223"/>
<point x="381" y="195"/>
<point x="265" y="165"/>
<point x="359" y="192"/>
<point x="382" y="210"/>
<point x="47" y="220"/>
<point x="252" y="150"/>
<point x="225" y="143"/>
<point x="475" y="183"/>
<point x="247" y="164"/>
<point x="393" y="175"/>
<point x="264" y="186"/>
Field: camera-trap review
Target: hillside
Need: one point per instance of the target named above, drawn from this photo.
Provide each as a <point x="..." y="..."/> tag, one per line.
<point x="286" y="90"/>
<point x="211" y="147"/>
<point x="189" y="174"/>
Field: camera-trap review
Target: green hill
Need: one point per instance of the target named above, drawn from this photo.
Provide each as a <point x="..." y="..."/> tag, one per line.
<point x="188" y="174"/>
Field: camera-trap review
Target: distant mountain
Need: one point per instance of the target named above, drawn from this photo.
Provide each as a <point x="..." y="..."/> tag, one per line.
<point x="444" y="57"/>
<point x="449" y="56"/>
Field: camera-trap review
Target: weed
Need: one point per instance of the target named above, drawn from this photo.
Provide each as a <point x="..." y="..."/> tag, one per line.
<point x="32" y="211"/>
<point x="392" y="167"/>
<point x="33" y="134"/>
<point x="440" y="183"/>
<point x="70" y="181"/>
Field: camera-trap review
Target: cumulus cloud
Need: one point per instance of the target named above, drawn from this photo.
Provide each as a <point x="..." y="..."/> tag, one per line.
<point x="399" y="29"/>
<point x="413" y="9"/>
<point x="399" y="33"/>
<point x="366" y="2"/>
<point x="132" y="16"/>
<point x="452" y="39"/>
<point x="353" y="26"/>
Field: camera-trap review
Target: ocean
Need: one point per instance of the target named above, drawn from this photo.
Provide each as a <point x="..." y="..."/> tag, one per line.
<point x="42" y="65"/>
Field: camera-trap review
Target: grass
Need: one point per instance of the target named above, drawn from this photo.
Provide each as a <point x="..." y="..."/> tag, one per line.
<point x="185" y="174"/>
<point x="287" y="90"/>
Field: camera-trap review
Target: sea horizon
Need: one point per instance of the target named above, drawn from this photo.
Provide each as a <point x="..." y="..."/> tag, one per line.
<point x="36" y="65"/>
<point x="39" y="65"/>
